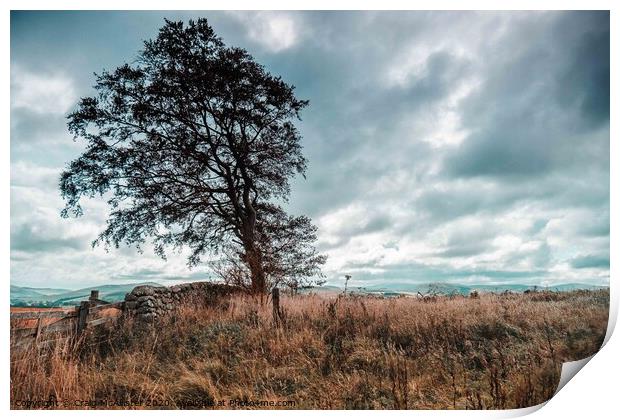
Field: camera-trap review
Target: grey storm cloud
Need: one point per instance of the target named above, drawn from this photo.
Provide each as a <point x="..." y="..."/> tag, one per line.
<point x="442" y="146"/>
<point x="590" y="261"/>
<point x="28" y="239"/>
<point x="34" y="127"/>
<point x="536" y="100"/>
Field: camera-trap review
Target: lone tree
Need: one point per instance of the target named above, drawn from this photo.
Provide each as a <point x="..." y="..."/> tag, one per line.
<point x="191" y="145"/>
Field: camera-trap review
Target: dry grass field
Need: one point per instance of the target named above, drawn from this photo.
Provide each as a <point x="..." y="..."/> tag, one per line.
<point x="494" y="352"/>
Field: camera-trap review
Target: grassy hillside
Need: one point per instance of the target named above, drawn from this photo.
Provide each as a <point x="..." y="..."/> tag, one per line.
<point x="498" y="351"/>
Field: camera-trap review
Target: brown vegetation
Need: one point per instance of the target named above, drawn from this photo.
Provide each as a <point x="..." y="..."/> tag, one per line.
<point x="493" y="352"/>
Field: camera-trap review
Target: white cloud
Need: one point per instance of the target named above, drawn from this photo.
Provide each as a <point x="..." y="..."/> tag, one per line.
<point x="275" y="31"/>
<point x="47" y="249"/>
<point x="27" y="174"/>
<point x="42" y="93"/>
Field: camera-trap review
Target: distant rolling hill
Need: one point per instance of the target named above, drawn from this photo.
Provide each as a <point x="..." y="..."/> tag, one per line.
<point x="34" y="296"/>
<point x="451" y="288"/>
<point x="18" y="292"/>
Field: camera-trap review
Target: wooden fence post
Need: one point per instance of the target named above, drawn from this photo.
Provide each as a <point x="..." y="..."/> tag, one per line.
<point x="83" y="316"/>
<point x="275" y="299"/>
<point x="94" y="295"/>
<point x="91" y="312"/>
<point x="84" y="310"/>
<point x="37" y="334"/>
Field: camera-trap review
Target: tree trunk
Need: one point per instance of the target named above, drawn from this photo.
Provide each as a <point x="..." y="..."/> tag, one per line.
<point x="253" y="257"/>
<point x="257" y="274"/>
<point x="252" y="253"/>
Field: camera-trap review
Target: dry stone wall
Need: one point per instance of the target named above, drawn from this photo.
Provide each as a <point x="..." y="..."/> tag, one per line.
<point x="150" y="302"/>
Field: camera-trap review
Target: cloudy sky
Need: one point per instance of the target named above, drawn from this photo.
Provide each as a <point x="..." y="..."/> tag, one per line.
<point x="442" y="147"/>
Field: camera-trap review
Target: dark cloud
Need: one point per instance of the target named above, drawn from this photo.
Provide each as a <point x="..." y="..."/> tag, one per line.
<point x="596" y="226"/>
<point x="584" y="82"/>
<point x="532" y="102"/>
<point x="590" y="261"/>
<point x="32" y="127"/>
<point x="29" y="238"/>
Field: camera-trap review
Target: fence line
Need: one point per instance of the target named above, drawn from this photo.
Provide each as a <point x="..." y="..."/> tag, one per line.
<point x="144" y="302"/>
<point x="43" y="314"/>
<point x="89" y="313"/>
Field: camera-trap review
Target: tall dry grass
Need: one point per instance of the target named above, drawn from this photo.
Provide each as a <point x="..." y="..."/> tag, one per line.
<point x="494" y="352"/>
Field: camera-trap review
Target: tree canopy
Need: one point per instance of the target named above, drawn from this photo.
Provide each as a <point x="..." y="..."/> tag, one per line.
<point x="191" y="145"/>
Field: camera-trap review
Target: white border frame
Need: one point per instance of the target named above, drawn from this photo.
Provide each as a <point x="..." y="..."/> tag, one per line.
<point x="593" y="393"/>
